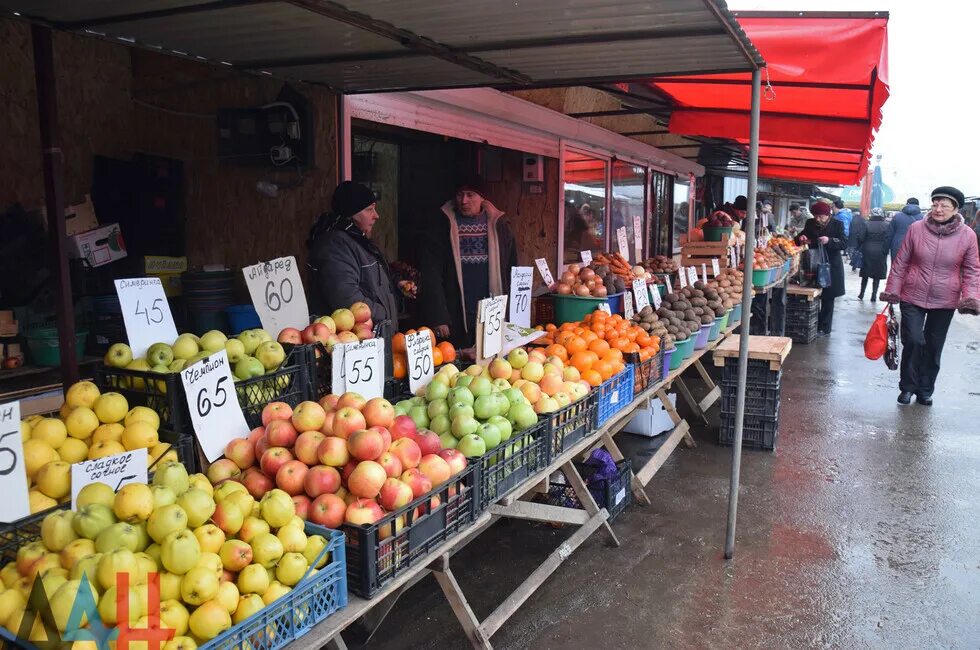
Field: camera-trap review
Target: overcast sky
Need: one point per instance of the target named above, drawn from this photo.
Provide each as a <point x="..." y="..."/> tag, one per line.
<point x="929" y="134"/>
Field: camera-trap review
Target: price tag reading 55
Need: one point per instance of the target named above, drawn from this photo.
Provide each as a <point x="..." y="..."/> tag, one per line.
<point x="493" y="322"/>
<point x="213" y="404"/>
<point x="359" y="368"/>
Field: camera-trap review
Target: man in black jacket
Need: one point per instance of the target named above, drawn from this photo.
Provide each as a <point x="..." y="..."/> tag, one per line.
<point x="472" y="253"/>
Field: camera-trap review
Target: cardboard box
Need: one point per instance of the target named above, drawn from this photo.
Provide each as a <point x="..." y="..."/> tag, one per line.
<point x="169" y="270"/>
<point x="100" y="246"/>
<point x="653" y="420"/>
<point x="78" y="218"/>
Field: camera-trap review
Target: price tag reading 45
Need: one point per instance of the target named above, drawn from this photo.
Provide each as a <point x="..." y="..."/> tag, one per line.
<point x="15" y="503"/>
<point x="277" y="293"/>
<point x="421" y="369"/>
<point x="493" y="323"/>
<point x="146" y="313"/>
<point x="213" y="403"/>
<point x="359" y="368"/>
<point x="641" y="294"/>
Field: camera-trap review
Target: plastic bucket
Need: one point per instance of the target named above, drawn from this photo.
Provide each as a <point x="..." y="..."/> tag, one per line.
<point x="682" y="350"/>
<point x="241" y="318"/>
<point x="615" y="303"/>
<point x="760" y="277"/>
<point x="724" y="321"/>
<point x="715" y="234"/>
<point x="666" y="369"/>
<point x="44" y="346"/>
<point x="570" y="309"/>
<point x="736" y="316"/>
<point x="702" y="337"/>
<point x="715" y="328"/>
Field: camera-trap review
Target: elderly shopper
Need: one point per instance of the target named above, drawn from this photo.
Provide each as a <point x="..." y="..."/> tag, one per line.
<point x="936" y="271"/>
<point x="823" y="232"/>
<point x="874" y="242"/>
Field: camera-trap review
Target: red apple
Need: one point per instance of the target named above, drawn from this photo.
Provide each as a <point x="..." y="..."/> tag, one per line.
<point x="321" y="479"/>
<point x="303" y="504"/>
<point x="384" y="434"/>
<point x="361" y="311"/>
<point x="327" y="428"/>
<point x="416" y="480"/>
<point x="435" y="468"/>
<point x="353" y="400"/>
<point x="422" y="510"/>
<point x="276" y="411"/>
<point x="363" y="332"/>
<point x="394" y="494"/>
<point x="407" y="451"/>
<point x="365" y="444"/>
<point x="307" y="334"/>
<point x="273" y="459"/>
<point x="255" y="434"/>
<point x="333" y="452"/>
<point x="306" y="447"/>
<point x="241" y="452"/>
<point x="347" y="420"/>
<point x="428" y="442"/>
<point x="290" y="335"/>
<point x="378" y="412"/>
<point x="281" y="433"/>
<point x="328" y="510"/>
<point x="223" y="469"/>
<point x="347" y="470"/>
<point x="228" y="517"/>
<point x="403" y="427"/>
<point x="391" y="463"/>
<point x="366" y="479"/>
<point x="456" y="460"/>
<point x="308" y="416"/>
<point x="261" y="446"/>
<point x="363" y="512"/>
<point x="329" y="402"/>
<point x="256" y="482"/>
<point x="290" y="477"/>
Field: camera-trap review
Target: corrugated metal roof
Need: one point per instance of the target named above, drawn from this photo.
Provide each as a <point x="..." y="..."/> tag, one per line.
<point x="378" y="45"/>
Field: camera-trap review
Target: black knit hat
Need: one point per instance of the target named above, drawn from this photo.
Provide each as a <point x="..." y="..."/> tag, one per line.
<point x="350" y="198"/>
<point x="741" y="203"/>
<point x="951" y="193"/>
<point x="912" y="201"/>
<point x="471" y="183"/>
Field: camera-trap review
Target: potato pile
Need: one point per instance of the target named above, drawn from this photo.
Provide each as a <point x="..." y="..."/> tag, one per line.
<point x="728" y="286"/>
<point x="660" y="264"/>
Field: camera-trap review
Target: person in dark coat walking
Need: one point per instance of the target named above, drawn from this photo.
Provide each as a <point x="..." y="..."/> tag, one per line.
<point x="874" y="243"/>
<point x="822" y="231"/>
<point x="858" y="225"/>
<point x="346" y="266"/>
<point x="901" y="222"/>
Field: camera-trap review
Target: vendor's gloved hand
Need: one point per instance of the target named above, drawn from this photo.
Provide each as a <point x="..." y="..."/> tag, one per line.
<point x="442" y="331"/>
<point x="969" y="306"/>
<point x="890" y="298"/>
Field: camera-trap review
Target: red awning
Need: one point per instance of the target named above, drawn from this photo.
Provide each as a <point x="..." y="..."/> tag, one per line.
<point x="829" y="77"/>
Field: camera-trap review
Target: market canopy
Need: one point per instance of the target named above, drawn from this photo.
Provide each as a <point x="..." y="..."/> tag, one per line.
<point x="378" y="45"/>
<point x="829" y="79"/>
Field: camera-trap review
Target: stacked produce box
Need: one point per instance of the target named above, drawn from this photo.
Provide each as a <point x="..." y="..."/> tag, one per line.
<point x="801" y="318"/>
<point x="762" y="394"/>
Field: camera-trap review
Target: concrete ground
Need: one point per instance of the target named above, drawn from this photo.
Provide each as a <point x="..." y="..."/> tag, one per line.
<point x="862" y="530"/>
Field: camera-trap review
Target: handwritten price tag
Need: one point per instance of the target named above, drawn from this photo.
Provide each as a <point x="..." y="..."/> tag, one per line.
<point x="624" y="248"/>
<point x="682" y="278"/>
<point x="493" y="322"/>
<point x="640" y="294"/>
<point x="715" y="268"/>
<point x="604" y="306"/>
<point x="733" y="258"/>
<point x="704" y="273"/>
<point x="544" y="271"/>
<point x="586" y="257"/>
<point x="277" y="293"/>
<point x="114" y="471"/>
<point x="211" y="399"/>
<point x="655" y="295"/>
<point x="638" y="236"/>
<point x="146" y="313"/>
<point x="359" y="368"/>
<point x="628" y="305"/>
<point x="13" y="476"/>
<point x="421" y="368"/>
<point x="520" y="295"/>
<point x="692" y="276"/>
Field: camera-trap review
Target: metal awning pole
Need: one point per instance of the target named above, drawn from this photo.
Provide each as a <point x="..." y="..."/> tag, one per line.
<point x="743" y="345"/>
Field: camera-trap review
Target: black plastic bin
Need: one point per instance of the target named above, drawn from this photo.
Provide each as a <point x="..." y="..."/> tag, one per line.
<point x="757" y="432"/>
<point x="569" y="424"/>
<point x="510" y="463"/>
<point x="761" y="400"/>
<point x="612" y="494"/>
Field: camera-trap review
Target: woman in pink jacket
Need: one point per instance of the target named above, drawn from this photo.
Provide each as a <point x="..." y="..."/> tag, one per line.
<point x="936" y="271"/>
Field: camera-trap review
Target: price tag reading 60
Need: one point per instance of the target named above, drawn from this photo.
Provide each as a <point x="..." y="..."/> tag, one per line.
<point x="277" y="293"/>
<point x="213" y="404"/>
<point x="421" y="369"/>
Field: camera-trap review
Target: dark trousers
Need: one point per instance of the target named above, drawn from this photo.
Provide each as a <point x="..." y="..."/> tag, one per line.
<point x="923" y="335"/>
<point x="826" y="319"/>
<point x="874" y="287"/>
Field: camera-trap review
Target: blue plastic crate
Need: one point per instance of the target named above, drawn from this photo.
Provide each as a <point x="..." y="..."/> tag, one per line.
<point x="614" y="395"/>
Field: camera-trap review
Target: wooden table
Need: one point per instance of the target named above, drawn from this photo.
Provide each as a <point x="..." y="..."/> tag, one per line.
<point x="773" y="349"/>
<point x="810" y="293"/>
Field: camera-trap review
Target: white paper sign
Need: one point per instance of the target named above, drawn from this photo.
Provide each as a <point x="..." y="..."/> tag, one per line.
<point x="638" y="236"/>
<point x="493" y="323"/>
<point x="277" y="293"/>
<point x="211" y="398"/>
<point x="628" y="305"/>
<point x="640" y="294"/>
<point x="733" y="258"/>
<point x="421" y="368"/>
<point x="604" y="306"/>
<point x="13" y="476"/>
<point x="692" y="276"/>
<point x="655" y="295"/>
<point x="682" y="278"/>
<point x="114" y="471"/>
<point x="704" y="273"/>
<point x="623" y="244"/>
<point x="544" y="271"/>
<point x="146" y="313"/>
<point x="515" y="337"/>
<point x="586" y="257"/>
<point x="359" y="368"/>
<point x="520" y="295"/>
<point x="715" y="268"/>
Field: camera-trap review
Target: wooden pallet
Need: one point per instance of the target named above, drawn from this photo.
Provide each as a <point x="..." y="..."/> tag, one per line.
<point x="702" y="252"/>
<point x="773" y="349"/>
<point x="810" y="293"/>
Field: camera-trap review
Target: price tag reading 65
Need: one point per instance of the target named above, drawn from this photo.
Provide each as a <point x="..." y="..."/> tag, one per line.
<point x="213" y="404"/>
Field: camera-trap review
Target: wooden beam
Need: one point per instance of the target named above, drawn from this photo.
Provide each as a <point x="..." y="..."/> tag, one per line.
<point x="457" y="601"/>
<point x="656" y="462"/>
<point x="541" y="512"/>
<point x="617" y="455"/>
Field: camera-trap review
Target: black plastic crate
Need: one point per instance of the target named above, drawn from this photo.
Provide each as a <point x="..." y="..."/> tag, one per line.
<point x="568" y="425"/>
<point x="380" y="552"/>
<point x="320" y="365"/>
<point x="612" y="494"/>
<point x="510" y="463"/>
<point x="805" y="337"/>
<point x="758" y="372"/>
<point x="757" y="432"/>
<point x="760" y="399"/>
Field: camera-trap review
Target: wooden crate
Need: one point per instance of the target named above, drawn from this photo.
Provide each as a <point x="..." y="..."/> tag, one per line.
<point x="702" y="252"/>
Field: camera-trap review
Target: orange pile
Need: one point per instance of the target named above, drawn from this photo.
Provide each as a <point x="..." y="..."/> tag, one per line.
<point x="443" y="352"/>
<point x="595" y="347"/>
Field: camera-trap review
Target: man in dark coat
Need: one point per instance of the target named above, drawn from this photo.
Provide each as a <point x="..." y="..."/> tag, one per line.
<point x="472" y="252"/>
<point x="874" y="243"/>
<point x="823" y="232"/>
<point x="347" y="267"/>
<point x="901" y="222"/>
<point x="858" y="225"/>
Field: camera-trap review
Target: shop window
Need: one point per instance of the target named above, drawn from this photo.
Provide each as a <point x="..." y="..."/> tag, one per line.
<point x="662" y="211"/>
<point x="682" y="192"/>
<point x="585" y="205"/>
<point x="628" y="202"/>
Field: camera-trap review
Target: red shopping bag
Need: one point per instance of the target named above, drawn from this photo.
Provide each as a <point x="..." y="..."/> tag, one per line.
<point x="876" y="342"/>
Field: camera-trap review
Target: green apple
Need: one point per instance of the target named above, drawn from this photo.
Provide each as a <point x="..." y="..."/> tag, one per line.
<point x="185" y="346"/>
<point x="463" y="426"/>
<point x="503" y="425"/>
<point x="418" y="400"/>
<point x="514" y="395"/>
<point x="517" y="358"/>
<point x="166" y="520"/>
<point x="500" y="385"/>
<point x="57" y="531"/>
<point x="119" y="355"/>
<point x="180" y="551"/>
<point x="463" y="381"/>
<point x="173" y="475"/>
<point x="402" y="407"/>
<point x="419" y="416"/>
<point x="159" y="354"/>
<point x="235" y="350"/>
<point x="490" y="434"/>
<point x="248" y="367"/>
<point x="440" y="424"/>
<point x="118" y="535"/>
<point x="503" y="404"/>
<point x="271" y="354"/>
<point x="436" y="391"/>
<point x="437" y="407"/>
<point x="484" y="408"/>
<point x="92" y="519"/>
<point x="263" y="335"/>
<point x="448" y="440"/>
<point x="471" y="446"/>
<point x="460" y="394"/>
<point x="213" y="341"/>
<point x="460" y="410"/>
<point x="177" y="365"/>
<point x="480" y="386"/>
<point x="522" y="416"/>
<point x="251" y="340"/>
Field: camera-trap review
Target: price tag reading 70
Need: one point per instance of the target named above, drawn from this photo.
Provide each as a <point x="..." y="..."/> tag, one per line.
<point x="277" y="294"/>
<point x="421" y="370"/>
<point x="213" y="404"/>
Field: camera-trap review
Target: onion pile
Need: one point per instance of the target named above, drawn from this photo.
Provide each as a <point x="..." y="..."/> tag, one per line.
<point x="583" y="282"/>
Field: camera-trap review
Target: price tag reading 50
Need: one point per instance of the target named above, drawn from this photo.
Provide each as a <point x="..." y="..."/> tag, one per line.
<point x="421" y="368"/>
<point x="359" y="368"/>
<point x="213" y="404"/>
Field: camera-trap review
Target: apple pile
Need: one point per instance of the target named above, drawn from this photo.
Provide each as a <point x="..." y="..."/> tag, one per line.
<point x="221" y="555"/>
<point x="342" y="326"/>
<point x="252" y="353"/>
<point x="342" y="460"/>
<point x="90" y="425"/>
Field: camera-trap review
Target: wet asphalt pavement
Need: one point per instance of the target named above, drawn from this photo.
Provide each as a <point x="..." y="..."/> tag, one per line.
<point x="862" y="530"/>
